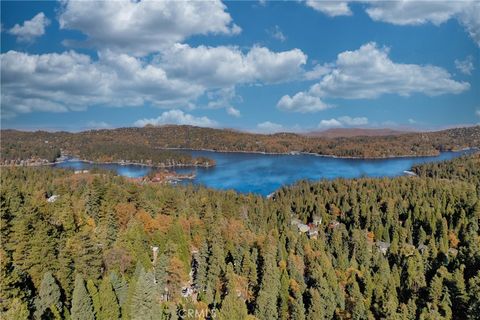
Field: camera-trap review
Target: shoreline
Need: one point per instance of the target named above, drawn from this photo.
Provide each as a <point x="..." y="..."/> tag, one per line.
<point x="296" y="153"/>
<point x="139" y="164"/>
<point x="291" y="153"/>
<point x="110" y="162"/>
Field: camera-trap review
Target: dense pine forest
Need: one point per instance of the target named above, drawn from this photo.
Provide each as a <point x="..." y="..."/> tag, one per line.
<point x="97" y="246"/>
<point x="117" y="144"/>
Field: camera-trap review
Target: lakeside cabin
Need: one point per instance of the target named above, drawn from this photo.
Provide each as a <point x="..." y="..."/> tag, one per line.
<point x="53" y="198"/>
<point x="310" y="229"/>
<point x="80" y="171"/>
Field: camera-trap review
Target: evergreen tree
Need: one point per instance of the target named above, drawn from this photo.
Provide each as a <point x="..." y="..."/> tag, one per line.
<point x="459" y="294"/>
<point x="284" y="294"/>
<point x="144" y="297"/>
<point x="266" y="307"/>
<point x="317" y="309"/>
<point x="87" y="254"/>
<point x="161" y="270"/>
<point x="82" y="307"/>
<point x="14" y="284"/>
<point x="249" y="270"/>
<point x="474" y="293"/>
<point x="120" y="286"/>
<point x="446" y="305"/>
<point x="18" y="310"/>
<point x="356" y="305"/>
<point x="109" y="304"/>
<point x="93" y="292"/>
<point x="49" y="296"/>
<point x="233" y="306"/>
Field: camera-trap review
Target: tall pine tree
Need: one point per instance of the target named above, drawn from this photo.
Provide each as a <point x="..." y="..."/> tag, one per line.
<point x="49" y="296"/>
<point x="82" y="306"/>
<point x="108" y="301"/>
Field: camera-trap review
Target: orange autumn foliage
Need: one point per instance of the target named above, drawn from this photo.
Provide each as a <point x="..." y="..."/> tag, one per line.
<point x="294" y="286"/>
<point x="149" y="224"/>
<point x="370" y="236"/>
<point x="186" y="225"/>
<point x="90" y="222"/>
<point x="452" y="238"/>
<point x="163" y="222"/>
<point x="124" y="212"/>
<point x="233" y="230"/>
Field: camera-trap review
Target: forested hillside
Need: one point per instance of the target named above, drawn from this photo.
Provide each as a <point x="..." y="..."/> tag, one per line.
<point x="116" y="143"/>
<point x="464" y="168"/>
<point x="97" y="246"/>
<point x="34" y="152"/>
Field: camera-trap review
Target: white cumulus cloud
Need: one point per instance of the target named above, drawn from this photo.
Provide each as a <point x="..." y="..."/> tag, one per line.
<point x="233" y="111"/>
<point x="410" y="12"/>
<point x="141" y="59"/>
<point x="317" y="72"/>
<point x="330" y="8"/>
<point x="329" y="123"/>
<point x="30" y="29"/>
<point x="343" y="121"/>
<point x="142" y="27"/>
<point x="368" y="73"/>
<point x="72" y="81"/>
<point x="224" y="66"/>
<point x="407" y="12"/>
<point x="301" y="102"/>
<point x="177" y="117"/>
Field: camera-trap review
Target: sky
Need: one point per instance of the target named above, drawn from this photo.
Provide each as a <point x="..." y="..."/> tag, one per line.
<point x="260" y="66"/>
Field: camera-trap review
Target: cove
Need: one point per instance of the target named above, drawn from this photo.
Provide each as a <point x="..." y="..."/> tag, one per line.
<point x="265" y="173"/>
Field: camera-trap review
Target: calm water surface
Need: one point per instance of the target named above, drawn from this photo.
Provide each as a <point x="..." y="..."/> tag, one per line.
<point x="263" y="173"/>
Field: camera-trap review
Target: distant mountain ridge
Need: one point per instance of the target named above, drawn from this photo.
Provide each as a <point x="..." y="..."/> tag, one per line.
<point x="355" y="132"/>
<point x="18" y="144"/>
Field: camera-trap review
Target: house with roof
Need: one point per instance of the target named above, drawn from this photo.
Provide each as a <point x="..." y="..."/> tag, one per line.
<point x="53" y="198"/>
<point x="383" y="246"/>
<point x="310" y="229"/>
<point x="313" y="233"/>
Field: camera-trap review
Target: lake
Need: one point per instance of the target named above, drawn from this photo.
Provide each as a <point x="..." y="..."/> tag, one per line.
<point x="265" y="173"/>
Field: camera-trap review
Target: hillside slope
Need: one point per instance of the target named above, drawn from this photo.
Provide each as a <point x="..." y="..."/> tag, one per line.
<point x="18" y="144"/>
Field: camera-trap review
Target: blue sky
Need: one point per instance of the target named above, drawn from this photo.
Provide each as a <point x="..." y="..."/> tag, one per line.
<point x="257" y="66"/>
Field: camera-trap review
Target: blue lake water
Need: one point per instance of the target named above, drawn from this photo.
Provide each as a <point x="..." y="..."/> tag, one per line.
<point x="264" y="173"/>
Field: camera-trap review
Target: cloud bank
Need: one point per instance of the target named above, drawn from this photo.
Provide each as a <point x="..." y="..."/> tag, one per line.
<point x="142" y="27"/>
<point x="343" y="121"/>
<point x="177" y="117"/>
<point x="410" y="13"/>
<point x="368" y="73"/>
